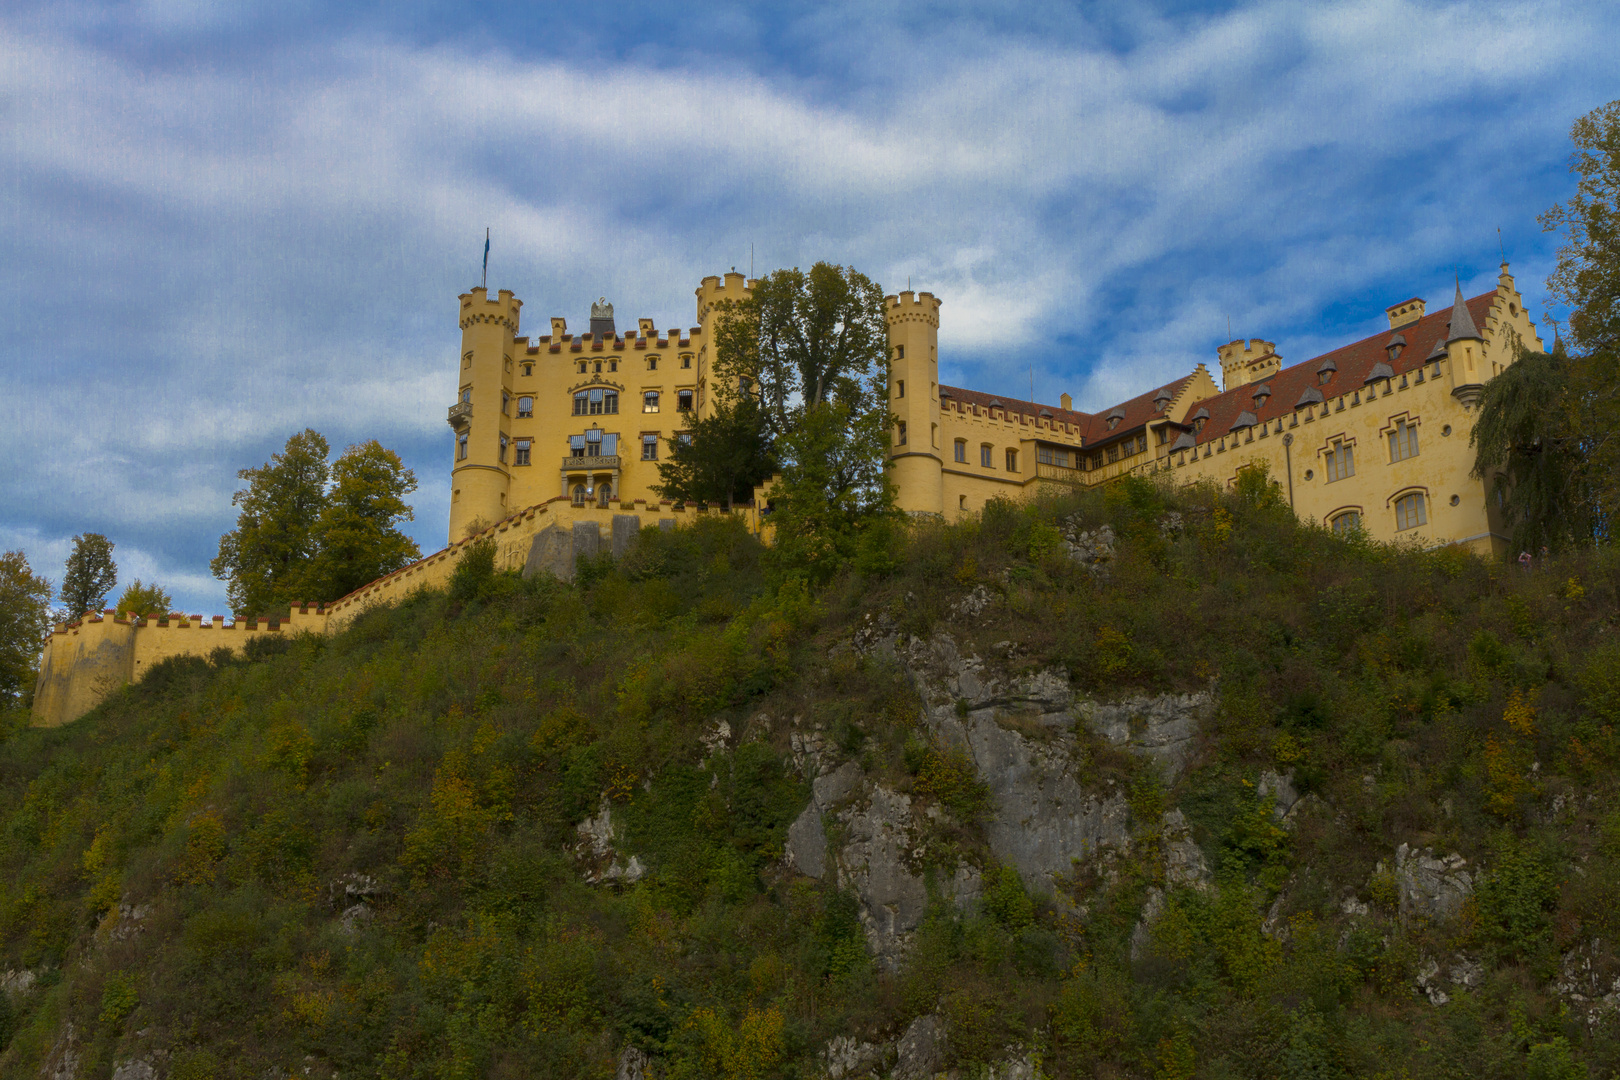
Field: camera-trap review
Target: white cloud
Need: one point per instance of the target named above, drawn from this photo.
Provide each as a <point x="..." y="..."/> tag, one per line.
<point x="216" y="255"/>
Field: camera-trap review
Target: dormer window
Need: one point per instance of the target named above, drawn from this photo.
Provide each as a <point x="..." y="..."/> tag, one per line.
<point x="1261" y="393"/>
<point x="1394" y="346"/>
<point x="1113" y="422"/>
<point x="1325" y="371"/>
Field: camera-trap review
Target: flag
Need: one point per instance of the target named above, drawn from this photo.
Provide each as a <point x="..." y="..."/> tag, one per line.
<point x="486" y="256"/>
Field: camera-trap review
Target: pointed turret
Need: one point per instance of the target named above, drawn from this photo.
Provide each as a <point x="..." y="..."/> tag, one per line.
<point x="1462" y="323"/>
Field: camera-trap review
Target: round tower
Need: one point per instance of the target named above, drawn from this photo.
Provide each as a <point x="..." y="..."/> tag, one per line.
<point x="711" y="291"/>
<point x="480" y="477"/>
<point x="915" y="464"/>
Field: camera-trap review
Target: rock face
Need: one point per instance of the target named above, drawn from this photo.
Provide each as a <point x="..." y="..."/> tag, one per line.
<point x="807" y="840"/>
<point x="847" y="1058"/>
<point x="1460" y="972"/>
<point x="1092" y="549"/>
<point x="874" y="863"/>
<point x="1161" y="728"/>
<point x="632" y="1064"/>
<point x="1430" y="888"/>
<point x="138" y="1069"/>
<point x="625" y="529"/>
<point x="1184" y="862"/>
<point x="1590" y="980"/>
<point x="62" y="1063"/>
<point x="595" y="849"/>
<point x="922" y="1049"/>
<point x="551" y="552"/>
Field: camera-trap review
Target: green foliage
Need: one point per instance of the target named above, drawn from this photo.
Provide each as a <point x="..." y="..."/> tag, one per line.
<point x="89" y="575"/>
<point x="141" y="599"/>
<point x="25" y="619"/>
<point x="310" y="530"/>
<point x="722" y="454"/>
<point x="366" y="850"/>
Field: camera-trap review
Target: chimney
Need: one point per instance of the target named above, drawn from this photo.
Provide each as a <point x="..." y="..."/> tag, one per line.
<point x="1067" y="402"/>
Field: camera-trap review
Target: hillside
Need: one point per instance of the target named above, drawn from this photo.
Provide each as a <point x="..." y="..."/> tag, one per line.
<point x="1136" y="784"/>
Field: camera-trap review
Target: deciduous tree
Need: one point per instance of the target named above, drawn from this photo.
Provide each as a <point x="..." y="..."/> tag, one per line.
<point x="357" y="536"/>
<point x="25" y="617"/>
<point x="141" y="599"/>
<point x="91" y="574"/>
<point x="721" y="457"/>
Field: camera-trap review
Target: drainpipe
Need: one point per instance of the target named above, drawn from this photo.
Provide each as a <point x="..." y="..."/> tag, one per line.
<point x="1288" y="455"/>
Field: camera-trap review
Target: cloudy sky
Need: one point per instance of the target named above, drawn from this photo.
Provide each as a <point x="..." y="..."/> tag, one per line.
<point x="225" y="222"/>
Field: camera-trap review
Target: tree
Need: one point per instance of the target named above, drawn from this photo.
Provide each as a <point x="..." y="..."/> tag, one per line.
<point x="1529" y="445"/>
<point x="1587" y="276"/>
<point x="142" y="599"/>
<point x="91" y="574"/>
<point x="25" y="618"/>
<point x="812" y="350"/>
<point x="722" y="456"/>
<point x="296" y="540"/>
<point x="356" y="536"/>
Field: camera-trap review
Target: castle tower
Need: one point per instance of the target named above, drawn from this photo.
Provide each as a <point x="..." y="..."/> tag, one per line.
<point x="1466" y="350"/>
<point x="915" y="464"/>
<point x="1244" y="362"/>
<point x="480" y="477"/>
<point x="710" y="293"/>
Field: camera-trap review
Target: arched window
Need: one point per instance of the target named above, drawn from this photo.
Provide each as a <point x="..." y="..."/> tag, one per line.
<point x="1012" y="461"/>
<point x="1410" y="511"/>
<point x="1341" y="461"/>
<point x="985" y="459"/>
<point x="579" y="494"/>
<point x="604" y="492"/>
<point x="961" y="451"/>
<point x="1403" y="441"/>
<point x="1343" y="524"/>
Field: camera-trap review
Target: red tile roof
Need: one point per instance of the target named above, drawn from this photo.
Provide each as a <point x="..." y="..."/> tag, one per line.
<point x="1093" y="427"/>
<point x="1354" y="362"/>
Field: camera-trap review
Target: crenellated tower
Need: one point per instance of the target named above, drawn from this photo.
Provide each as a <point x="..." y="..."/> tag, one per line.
<point x="915" y="464"/>
<point x="481" y="476"/>
<point x="710" y="292"/>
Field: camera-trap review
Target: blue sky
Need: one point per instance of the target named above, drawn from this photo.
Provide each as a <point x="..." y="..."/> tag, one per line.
<point x="225" y="222"/>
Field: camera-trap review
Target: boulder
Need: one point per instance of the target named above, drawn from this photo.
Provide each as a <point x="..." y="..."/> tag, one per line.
<point x="847" y="1058"/>
<point x="1430" y="887"/>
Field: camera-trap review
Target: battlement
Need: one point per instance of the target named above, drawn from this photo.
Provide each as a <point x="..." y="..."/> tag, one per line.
<point x="477" y="307"/>
<point x="713" y="290"/>
<point x="1247" y="361"/>
<point x="912" y="307"/>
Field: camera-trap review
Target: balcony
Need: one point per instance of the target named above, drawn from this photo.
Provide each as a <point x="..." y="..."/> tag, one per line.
<point x="460" y="414"/>
<point x="1059" y="472"/>
<point x="590" y="464"/>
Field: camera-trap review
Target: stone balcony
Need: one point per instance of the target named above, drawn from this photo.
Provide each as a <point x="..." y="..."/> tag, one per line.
<point x="460" y="414"/>
<point x="589" y="464"/>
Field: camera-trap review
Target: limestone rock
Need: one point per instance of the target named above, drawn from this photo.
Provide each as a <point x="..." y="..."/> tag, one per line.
<point x="974" y="603"/>
<point x="1280" y="789"/>
<point x="1184" y="862"/>
<point x="354" y="888"/>
<point x="137" y="1069"/>
<point x="595" y="849"/>
<point x="1161" y="728"/>
<point x="716" y="738"/>
<point x="806" y="847"/>
<point x="873" y="863"/>
<point x="1429" y="983"/>
<point x="921" y="1050"/>
<point x="848" y="1058"/>
<point x="1142" y="932"/>
<point x="123" y="922"/>
<point x="1018" y="1065"/>
<point x="1429" y="887"/>
<point x="633" y="1064"/>
<point x="353" y="918"/>
<point x="17" y="982"/>
<point x="1589" y="979"/>
<point x="62" y="1063"/>
<point x="833" y="788"/>
<point x="1092" y="549"/>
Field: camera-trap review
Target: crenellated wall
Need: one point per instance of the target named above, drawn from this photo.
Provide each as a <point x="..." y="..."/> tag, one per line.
<point x="86" y="661"/>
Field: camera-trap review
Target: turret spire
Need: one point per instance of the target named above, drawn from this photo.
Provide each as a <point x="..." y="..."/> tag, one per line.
<point x="1462" y="323"/>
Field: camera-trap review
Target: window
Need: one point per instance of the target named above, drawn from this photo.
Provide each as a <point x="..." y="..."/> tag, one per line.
<point x="961" y="450"/>
<point x="649" y="401"/>
<point x="1409" y="511"/>
<point x="899" y="352"/>
<point x="461" y="447"/>
<point x="649" y="448"/>
<point x="528" y="369"/>
<point x="902" y="438"/>
<point x="1160" y="434"/>
<point x="1403" y="441"/>
<point x="596" y="402"/>
<point x="579" y="494"/>
<point x="503" y="450"/>
<point x="686" y="361"/>
<point x="521" y="455"/>
<point x="613" y="365"/>
<point x="984" y="456"/>
<point x="1346" y="523"/>
<point x="604" y="492"/>
<point x="582" y="367"/>
<point x="900" y="388"/>
<point x="1012" y="461"/>
<point x="466" y="361"/>
<point x="506" y="403"/>
<point x="525" y="408"/>
<point x="1341" y="461"/>
<point x="598" y="367"/>
<point x="683" y="401"/>
<point x="652" y="363"/>
<point x="1051" y="455"/>
<point x="466" y="394"/>
<point x="1113" y="453"/>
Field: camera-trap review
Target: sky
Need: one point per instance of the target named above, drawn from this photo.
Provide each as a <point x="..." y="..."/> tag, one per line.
<point x="223" y="223"/>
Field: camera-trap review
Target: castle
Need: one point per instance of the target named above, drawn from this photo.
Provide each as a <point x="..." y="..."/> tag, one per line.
<point x="557" y="439"/>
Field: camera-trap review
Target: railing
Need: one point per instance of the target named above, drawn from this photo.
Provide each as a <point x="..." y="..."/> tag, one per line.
<point x="460" y="414"/>
<point x="1059" y="472"/>
<point x="584" y="464"/>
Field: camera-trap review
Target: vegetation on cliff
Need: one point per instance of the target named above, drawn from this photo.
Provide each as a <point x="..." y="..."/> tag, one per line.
<point x="363" y="855"/>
